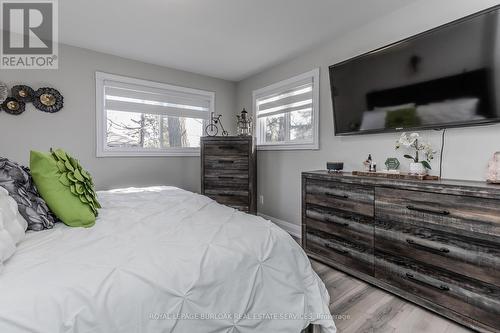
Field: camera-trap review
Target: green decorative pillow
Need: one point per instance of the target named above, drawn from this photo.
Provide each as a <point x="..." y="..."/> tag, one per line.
<point x="402" y="118"/>
<point x="65" y="186"/>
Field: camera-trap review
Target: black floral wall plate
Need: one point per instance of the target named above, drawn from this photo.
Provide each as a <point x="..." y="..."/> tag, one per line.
<point x="13" y="106"/>
<point x="23" y="93"/>
<point x="48" y="100"/>
<point x="4" y="92"/>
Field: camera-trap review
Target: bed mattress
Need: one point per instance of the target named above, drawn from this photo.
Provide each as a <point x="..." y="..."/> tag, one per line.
<point x="161" y="259"/>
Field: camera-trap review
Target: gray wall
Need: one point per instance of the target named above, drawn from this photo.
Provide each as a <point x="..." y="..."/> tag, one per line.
<point x="73" y="128"/>
<point x="467" y="150"/>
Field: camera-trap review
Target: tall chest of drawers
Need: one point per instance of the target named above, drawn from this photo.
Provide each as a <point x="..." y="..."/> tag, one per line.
<point x="228" y="171"/>
<point x="434" y="243"/>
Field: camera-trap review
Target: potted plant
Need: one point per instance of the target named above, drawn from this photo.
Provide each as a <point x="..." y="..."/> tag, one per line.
<point x="413" y="141"/>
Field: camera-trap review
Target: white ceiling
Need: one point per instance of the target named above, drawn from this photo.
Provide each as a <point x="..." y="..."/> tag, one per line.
<point x="228" y="39"/>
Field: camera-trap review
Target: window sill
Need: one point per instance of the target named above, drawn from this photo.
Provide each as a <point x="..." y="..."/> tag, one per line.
<point x="195" y="152"/>
<point x="295" y="146"/>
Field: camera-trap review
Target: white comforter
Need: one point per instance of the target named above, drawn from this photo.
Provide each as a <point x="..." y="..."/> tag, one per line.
<point x="162" y="260"/>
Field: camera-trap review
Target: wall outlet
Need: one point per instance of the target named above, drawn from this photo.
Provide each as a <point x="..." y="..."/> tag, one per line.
<point x="261" y="199"/>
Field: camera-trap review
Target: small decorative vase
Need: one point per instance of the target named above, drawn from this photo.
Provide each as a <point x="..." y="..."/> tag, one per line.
<point x="417" y="169"/>
<point x="493" y="175"/>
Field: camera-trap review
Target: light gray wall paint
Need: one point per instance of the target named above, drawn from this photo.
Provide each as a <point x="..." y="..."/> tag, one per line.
<point x="467" y="150"/>
<point x="73" y="128"/>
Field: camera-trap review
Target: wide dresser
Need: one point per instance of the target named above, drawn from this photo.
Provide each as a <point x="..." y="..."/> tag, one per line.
<point x="435" y="243"/>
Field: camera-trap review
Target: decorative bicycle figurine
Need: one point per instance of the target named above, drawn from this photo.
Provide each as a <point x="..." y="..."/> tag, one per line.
<point x="212" y="128"/>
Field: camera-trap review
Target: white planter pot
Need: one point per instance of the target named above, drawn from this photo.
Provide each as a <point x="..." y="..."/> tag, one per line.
<point x="418" y="169"/>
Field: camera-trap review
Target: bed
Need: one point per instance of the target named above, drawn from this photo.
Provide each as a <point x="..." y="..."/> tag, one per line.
<point x="161" y="259"/>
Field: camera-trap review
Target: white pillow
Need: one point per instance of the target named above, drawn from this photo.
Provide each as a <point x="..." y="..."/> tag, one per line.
<point x="449" y="111"/>
<point x="373" y="120"/>
<point x="394" y="107"/>
<point x="376" y="119"/>
<point x="12" y="226"/>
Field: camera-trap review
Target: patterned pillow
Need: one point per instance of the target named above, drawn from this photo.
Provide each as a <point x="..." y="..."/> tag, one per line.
<point x="17" y="180"/>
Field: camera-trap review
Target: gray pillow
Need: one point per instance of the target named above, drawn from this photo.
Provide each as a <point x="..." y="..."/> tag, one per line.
<point x="16" y="179"/>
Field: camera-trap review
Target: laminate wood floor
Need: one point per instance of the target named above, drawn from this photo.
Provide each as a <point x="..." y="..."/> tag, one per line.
<point x="362" y="308"/>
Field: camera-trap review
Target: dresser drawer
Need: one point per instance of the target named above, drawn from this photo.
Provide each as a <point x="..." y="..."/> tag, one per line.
<point x="225" y="182"/>
<point x="345" y="197"/>
<point x="226" y="192"/>
<point x="226" y="178"/>
<point x="229" y="199"/>
<point x="448" y="213"/>
<point x="226" y="162"/>
<point x="226" y="173"/>
<point x="354" y="228"/>
<point x="469" y="256"/>
<point x="225" y="148"/>
<point x="346" y="252"/>
<point x="477" y="300"/>
<point x="242" y="208"/>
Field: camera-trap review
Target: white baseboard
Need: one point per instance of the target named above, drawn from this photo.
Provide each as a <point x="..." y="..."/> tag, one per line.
<point x="291" y="228"/>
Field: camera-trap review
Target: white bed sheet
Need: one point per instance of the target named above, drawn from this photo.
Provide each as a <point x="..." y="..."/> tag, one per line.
<point x="162" y="259"/>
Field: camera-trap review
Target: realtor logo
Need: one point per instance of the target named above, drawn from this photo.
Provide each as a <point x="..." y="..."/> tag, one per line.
<point x="29" y="34"/>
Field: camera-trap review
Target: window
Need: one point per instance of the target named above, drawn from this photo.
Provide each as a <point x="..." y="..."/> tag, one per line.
<point x="143" y="118"/>
<point x="287" y="113"/>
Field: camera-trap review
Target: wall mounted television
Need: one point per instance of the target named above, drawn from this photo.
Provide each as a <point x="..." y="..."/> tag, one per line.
<point x="446" y="77"/>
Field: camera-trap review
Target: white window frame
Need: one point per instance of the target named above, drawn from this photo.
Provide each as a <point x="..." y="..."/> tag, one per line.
<point x="282" y="85"/>
<point x="101" y="118"/>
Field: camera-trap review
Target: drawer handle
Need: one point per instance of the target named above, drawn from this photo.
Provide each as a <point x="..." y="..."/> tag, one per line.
<point x="442" y="249"/>
<point x="336" y="250"/>
<point x="225" y="177"/>
<point x="227" y="147"/>
<point x="441" y="287"/>
<point x="426" y="210"/>
<point x="339" y="196"/>
<point x="342" y="224"/>
<point x="225" y="161"/>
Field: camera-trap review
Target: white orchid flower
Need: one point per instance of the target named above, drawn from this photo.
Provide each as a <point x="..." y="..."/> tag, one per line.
<point x="416" y="143"/>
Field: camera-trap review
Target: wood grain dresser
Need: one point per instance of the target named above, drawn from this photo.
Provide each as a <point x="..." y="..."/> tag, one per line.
<point x="436" y="243"/>
<point x="228" y="171"/>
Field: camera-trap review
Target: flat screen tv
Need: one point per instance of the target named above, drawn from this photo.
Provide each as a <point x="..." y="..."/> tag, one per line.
<point x="445" y="77"/>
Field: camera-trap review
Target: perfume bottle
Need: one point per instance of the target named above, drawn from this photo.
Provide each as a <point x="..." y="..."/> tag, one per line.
<point x="368" y="163"/>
